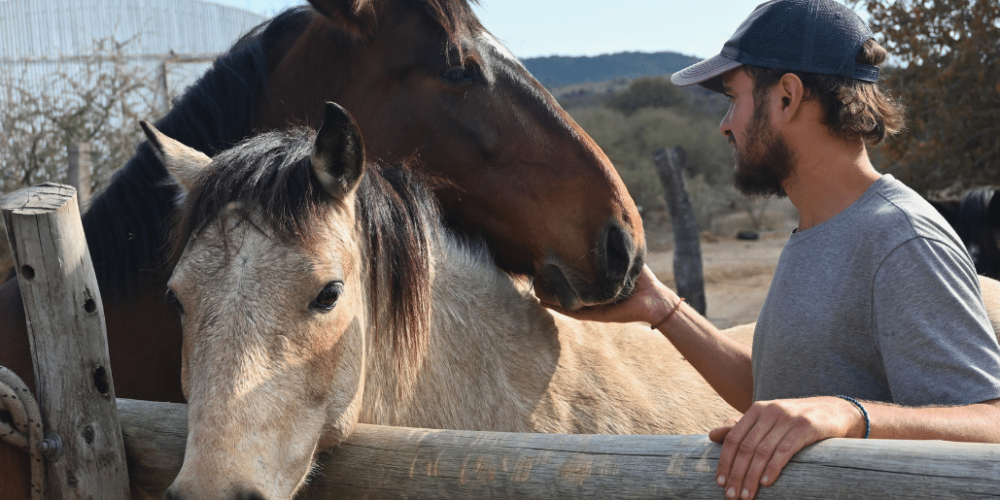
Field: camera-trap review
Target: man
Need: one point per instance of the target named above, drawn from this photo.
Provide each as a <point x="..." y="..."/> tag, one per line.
<point x="874" y="325"/>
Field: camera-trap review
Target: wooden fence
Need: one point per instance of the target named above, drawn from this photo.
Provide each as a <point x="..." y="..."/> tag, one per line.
<point x="388" y="462"/>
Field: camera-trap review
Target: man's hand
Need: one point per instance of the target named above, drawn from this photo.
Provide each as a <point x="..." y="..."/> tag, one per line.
<point x="757" y="445"/>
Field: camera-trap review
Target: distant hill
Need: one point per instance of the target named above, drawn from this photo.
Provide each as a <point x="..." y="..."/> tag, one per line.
<point x="558" y="71"/>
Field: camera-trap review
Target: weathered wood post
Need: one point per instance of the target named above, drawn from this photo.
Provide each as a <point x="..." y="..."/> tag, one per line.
<point x="688" y="273"/>
<point x="79" y="170"/>
<point x="83" y="444"/>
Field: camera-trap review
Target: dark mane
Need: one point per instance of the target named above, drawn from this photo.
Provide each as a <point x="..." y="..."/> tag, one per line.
<point x="974" y="224"/>
<point x="269" y="178"/>
<point x="125" y="223"/>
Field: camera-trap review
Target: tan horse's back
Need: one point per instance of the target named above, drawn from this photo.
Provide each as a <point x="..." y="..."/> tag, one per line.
<point x="634" y="380"/>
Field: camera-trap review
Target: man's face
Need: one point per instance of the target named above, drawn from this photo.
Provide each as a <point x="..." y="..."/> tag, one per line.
<point x="763" y="158"/>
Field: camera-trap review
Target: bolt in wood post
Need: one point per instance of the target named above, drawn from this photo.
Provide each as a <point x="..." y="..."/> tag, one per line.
<point x="84" y="447"/>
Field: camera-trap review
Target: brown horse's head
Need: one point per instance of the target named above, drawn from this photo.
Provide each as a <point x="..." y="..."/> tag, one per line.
<point x="425" y="80"/>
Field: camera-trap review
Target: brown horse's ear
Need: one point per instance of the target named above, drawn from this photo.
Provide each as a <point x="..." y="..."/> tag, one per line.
<point x="183" y="163"/>
<point x="357" y="16"/>
<point x="338" y="155"/>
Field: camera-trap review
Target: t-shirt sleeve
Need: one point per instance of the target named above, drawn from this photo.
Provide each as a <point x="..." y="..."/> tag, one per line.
<point x="935" y="341"/>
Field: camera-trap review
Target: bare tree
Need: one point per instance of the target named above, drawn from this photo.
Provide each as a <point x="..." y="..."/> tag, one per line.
<point x="50" y="104"/>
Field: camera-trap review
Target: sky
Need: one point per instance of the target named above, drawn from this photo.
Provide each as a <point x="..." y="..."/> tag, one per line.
<point x="533" y="28"/>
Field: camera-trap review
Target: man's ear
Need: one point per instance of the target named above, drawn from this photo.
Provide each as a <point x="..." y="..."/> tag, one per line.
<point x="789" y="94"/>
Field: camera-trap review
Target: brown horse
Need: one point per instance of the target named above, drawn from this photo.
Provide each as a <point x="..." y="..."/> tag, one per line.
<point x="425" y="81"/>
<point x="331" y="295"/>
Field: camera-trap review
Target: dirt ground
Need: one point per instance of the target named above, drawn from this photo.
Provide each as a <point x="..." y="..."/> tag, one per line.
<point x="737" y="272"/>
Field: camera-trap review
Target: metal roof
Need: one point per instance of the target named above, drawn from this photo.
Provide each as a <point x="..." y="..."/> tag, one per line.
<point x="64" y="29"/>
<point x="43" y="42"/>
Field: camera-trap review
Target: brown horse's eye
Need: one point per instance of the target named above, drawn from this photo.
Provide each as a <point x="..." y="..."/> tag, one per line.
<point x="172" y="299"/>
<point x="461" y="75"/>
<point x="327" y="299"/>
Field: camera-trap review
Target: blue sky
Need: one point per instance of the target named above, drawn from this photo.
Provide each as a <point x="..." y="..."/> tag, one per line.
<point x="532" y="28"/>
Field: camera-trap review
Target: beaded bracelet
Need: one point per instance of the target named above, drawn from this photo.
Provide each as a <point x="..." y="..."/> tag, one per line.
<point x="868" y="423"/>
<point x="667" y="317"/>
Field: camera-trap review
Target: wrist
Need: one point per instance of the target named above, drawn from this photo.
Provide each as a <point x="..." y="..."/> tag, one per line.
<point x="669" y="315"/>
<point x="861" y="428"/>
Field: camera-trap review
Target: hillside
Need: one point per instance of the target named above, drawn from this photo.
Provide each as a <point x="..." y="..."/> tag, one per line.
<point x="558" y="71"/>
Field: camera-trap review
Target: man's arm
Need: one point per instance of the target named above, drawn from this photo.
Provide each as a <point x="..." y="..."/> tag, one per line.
<point x="723" y="362"/>
<point x="757" y="446"/>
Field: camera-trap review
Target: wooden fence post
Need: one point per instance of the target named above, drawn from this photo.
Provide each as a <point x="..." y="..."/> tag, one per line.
<point x="79" y="170"/>
<point x="688" y="273"/>
<point x="84" y="447"/>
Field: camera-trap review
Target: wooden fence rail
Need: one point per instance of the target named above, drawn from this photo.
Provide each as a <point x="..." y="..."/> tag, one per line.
<point x="395" y="462"/>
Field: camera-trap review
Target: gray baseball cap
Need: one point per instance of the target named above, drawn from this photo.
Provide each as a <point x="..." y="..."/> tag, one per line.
<point x="811" y="36"/>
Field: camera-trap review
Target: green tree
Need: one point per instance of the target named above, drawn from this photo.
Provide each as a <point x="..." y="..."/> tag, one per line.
<point x="948" y="52"/>
<point x="629" y="141"/>
<point x="648" y="92"/>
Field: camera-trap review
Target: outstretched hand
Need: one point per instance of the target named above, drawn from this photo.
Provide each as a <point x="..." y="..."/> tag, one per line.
<point x="757" y="445"/>
<point x="650" y="302"/>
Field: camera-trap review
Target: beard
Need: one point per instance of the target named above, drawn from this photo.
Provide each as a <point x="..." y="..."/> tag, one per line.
<point x="765" y="161"/>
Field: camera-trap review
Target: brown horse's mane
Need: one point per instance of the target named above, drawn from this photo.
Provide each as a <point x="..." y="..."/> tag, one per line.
<point x="451" y="15"/>
<point x="269" y="180"/>
<point x="125" y="221"/>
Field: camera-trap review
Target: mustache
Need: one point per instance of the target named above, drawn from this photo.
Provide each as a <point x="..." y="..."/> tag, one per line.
<point x="731" y="138"/>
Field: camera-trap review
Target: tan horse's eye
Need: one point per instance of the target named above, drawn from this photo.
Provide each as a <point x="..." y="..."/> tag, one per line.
<point x="172" y="299"/>
<point x="327" y="299"/>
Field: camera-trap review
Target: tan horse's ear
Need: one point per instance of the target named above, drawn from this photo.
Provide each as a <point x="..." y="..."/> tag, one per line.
<point x="357" y="16"/>
<point x="183" y="163"/>
<point x="338" y="155"/>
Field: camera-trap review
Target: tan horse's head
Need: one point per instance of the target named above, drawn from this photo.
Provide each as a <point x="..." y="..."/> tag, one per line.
<point x="276" y="305"/>
<point x="424" y="78"/>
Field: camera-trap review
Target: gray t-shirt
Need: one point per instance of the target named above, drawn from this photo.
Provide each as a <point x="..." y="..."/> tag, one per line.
<point x="880" y="302"/>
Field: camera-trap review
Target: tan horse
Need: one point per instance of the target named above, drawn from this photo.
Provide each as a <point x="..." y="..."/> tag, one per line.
<point x="318" y="292"/>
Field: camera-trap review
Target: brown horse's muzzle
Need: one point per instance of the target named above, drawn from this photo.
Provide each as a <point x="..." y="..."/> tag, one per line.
<point x="618" y="263"/>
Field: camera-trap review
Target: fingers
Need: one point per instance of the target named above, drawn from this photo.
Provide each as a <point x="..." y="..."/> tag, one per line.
<point x="741" y="449"/>
<point x="757" y="447"/>
<point x="717" y="435"/>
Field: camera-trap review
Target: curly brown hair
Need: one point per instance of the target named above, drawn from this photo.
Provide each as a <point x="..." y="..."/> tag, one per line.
<point x="853" y="108"/>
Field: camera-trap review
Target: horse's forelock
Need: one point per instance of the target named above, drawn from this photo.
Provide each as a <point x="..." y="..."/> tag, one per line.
<point x="270" y="178"/>
<point x="453" y="16"/>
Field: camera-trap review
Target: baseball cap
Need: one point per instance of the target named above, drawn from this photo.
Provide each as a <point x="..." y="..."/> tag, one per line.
<point x="811" y="36"/>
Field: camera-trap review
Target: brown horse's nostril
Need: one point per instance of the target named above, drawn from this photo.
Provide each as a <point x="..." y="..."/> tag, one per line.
<point x="617" y="254"/>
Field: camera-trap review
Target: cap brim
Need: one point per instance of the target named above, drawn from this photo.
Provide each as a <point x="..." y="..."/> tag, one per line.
<point x="707" y="73"/>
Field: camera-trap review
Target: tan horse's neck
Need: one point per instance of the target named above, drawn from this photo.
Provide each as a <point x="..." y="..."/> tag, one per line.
<point x="496" y="360"/>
